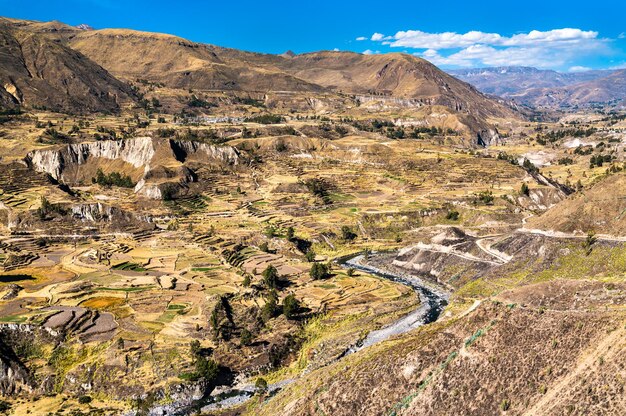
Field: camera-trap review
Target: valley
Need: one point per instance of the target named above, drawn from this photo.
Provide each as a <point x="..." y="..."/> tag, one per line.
<point x="190" y="229"/>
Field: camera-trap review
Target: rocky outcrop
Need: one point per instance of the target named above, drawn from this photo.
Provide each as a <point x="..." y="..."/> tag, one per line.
<point x="226" y="155"/>
<point x="92" y="212"/>
<point x="14" y="376"/>
<point x="153" y="157"/>
<point x="137" y="152"/>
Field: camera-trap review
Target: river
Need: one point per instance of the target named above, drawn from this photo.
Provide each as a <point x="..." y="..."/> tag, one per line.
<point x="432" y="302"/>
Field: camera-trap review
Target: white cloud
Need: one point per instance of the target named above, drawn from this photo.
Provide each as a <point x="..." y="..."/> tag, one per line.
<point x="360" y="38"/>
<point x="378" y="37"/>
<point x="622" y="35"/>
<point x="336" y="50"/>
<point x="450" y="40"/>
<point x="370" y="52"/>
<point x="552" y="48"/>
<point x="579" y="68"/>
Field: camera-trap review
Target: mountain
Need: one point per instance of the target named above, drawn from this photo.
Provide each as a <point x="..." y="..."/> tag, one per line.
<point x="546" y="88"/>
<point x="101" y="58"/>
<point x="395" y="75"/>
<point x="607" y="90"/>
<point x="179" y="63"/>
<point x="37" y="71"/>
<point x="509" y="81"/>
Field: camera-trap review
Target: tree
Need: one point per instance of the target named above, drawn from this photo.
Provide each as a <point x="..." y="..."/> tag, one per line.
<point x="347" y="233"/>
<point x="486" y="197"/>
<point x="290" y="233"/>
<point x="310" y="256"/>
<point x="319" y="271"/>
<point x="525" y="190"/>
<point x="264" y="247"/>
<point x="206" y="369"/>
<point x="350" y="272"/>
<point x="195" y="348"/>
<point x="270" y="231"/>
<point x="260" y="385"/>
<point x="270" y="308"/>
<point x="291" y="306"/>
<point x="589" y="242"/>
<point x="453" y="215"/>
<point x="246" y="280"/>
<point x="246" y="337"/>
<point x="270" y="276"/>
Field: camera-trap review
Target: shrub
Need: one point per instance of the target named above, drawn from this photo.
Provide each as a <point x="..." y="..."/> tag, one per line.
<point x="453" y="215"/>
<point x="84" y="399"/>
<point x="505" y="405"/>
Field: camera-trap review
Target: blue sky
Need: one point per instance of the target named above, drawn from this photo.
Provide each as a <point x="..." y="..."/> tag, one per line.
<point x="564" y="35"/>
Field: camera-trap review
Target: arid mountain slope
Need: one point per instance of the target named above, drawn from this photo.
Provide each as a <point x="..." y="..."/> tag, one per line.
<point x="183" y="64"/>
<point x="492" y="361"/>
<point x="396" y="75"/>
<point x="37" y="71"/>
<point x="178" y="63"/>
<point x="599" y="209"/>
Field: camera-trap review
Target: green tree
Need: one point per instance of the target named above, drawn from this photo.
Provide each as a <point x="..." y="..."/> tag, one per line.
<point x="453" y="215"/>
<point x="260" y="385"/>
<point x="589" y="242"/>
<point x="270" y="276"/>
<point x="319" y="271"/>
<point x="246" y="280"/>
<point x="525" y="190"/>
<point x="195" y="348"/>
<point x="347" y="233"/>
<point x="291" y="306"/>
<point x="246" y="337"/>
<point x="290" y="233"/>
<point x="270" y="309"/>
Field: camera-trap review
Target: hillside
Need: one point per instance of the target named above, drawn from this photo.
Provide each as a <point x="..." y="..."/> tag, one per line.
<point x="396" y="75"/>
<point x="36" y="71"/>
<point x="178" y="63"/>
<point x="593" y="210"/>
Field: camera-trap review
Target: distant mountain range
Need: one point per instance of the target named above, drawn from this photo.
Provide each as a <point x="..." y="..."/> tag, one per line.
<point x="547" y="88"/>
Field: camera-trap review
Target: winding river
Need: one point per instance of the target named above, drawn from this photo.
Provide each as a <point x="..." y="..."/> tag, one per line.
<point x="432" y="302"/>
